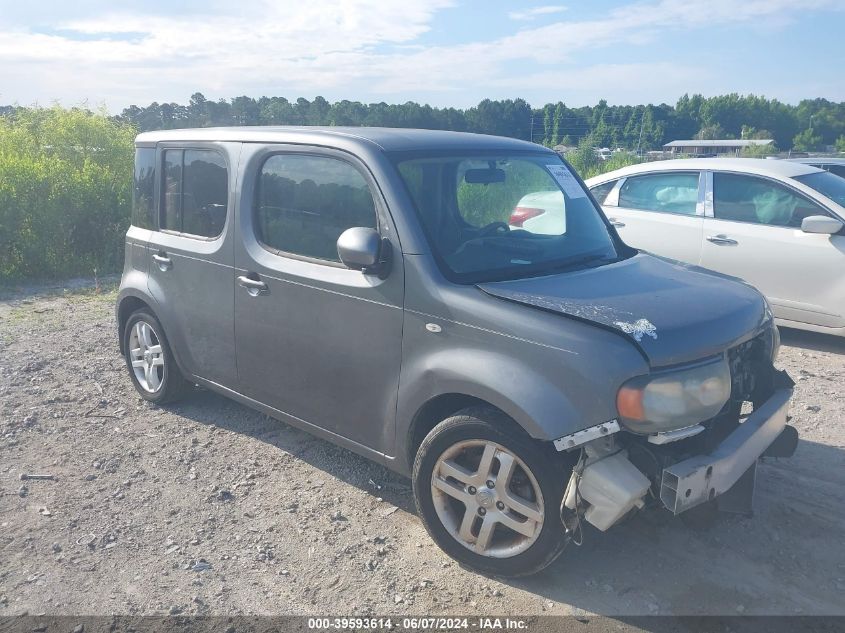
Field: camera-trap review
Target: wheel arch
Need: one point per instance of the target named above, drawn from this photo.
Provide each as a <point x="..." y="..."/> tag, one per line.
<point x="435" y="385"/>
<point x="129" y="301"/>
<point x="434" y="411"/>
<point x="126" y="305"/>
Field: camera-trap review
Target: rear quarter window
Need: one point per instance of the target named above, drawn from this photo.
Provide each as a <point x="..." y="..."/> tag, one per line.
<point x="600" y="192"/>
<point x="143" y="194"/>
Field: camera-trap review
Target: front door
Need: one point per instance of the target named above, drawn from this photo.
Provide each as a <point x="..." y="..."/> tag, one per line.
<point x="756" y="234"/>
<point x="661" y="213"/>
<point x="316" y="340"/>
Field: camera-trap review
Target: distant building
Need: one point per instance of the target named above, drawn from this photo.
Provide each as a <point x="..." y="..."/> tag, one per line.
<point x="716" y="146"/>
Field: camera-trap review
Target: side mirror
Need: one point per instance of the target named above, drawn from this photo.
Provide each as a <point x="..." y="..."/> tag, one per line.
<point x="361" y="248"/>
<point x="821" y="224"/>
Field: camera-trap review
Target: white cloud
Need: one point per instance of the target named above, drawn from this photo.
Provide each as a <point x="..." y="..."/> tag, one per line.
<point x="530" y="14"/>
<point x="357" y="49"/>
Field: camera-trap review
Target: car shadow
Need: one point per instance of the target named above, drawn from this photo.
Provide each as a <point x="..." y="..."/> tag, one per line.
<point x="209" y="408"/>
<point x="764" y="564"/>
<point x="812" y="341"/>
<point x="781" y="561"/>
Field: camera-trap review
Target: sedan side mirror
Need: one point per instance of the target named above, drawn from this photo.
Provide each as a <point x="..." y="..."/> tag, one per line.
<point x="361" y="248"/>
<point x="821" y="224"/>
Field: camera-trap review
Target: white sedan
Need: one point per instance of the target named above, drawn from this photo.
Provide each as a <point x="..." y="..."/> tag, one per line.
<point x="780" y="225"/>
<point x="540" y="212"/>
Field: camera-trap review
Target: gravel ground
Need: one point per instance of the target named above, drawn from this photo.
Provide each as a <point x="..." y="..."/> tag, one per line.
<point x="206" y="507"/>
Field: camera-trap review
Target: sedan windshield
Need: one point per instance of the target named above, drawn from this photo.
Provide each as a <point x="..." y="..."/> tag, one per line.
<point x="827" y="184"/>
<point x="502" y="217"/>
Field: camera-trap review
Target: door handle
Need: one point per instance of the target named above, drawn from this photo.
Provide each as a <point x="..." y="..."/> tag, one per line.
<point x="254" y="287"/>
<point x="163" y="261"/>
<point x="721" y="239"/>
<point x="615" y="222"/>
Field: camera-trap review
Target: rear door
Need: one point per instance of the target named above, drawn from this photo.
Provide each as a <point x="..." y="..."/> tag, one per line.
<point x="316" y="340"/>
<point x="755" y="233"/>
<point x="659" y="212"/>
<point x="191" y="261"/>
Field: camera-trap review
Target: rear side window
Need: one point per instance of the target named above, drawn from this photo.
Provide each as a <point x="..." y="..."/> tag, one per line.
<point x="304" y="203"/>
<point x="601" y="191"/>
<point x="756" y="200"/>
<point x="143" y="194"/>
<point x="195" y="192"/>
<point x="666" y="193"/>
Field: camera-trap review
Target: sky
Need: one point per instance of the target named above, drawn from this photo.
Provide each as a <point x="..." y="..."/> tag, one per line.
<point x="442" y="52"/>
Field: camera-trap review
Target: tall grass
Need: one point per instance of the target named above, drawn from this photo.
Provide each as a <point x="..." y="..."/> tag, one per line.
<point x="588" y="164"/>
<point x="65" y="193"/>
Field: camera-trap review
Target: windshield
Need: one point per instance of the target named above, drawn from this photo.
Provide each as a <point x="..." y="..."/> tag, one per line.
<point x="826" y="184"/>
<point x="503" y="217"/>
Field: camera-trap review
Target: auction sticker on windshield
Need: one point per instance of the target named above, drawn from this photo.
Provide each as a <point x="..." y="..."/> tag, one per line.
<point x="567" y="181"/>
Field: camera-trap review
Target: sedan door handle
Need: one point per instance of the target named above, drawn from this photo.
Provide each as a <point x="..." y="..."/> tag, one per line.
<point x="254" y="287"/>
<point x="721" y="239"/>
<point x="615" y="222"/>
<point x="163" y="261"/>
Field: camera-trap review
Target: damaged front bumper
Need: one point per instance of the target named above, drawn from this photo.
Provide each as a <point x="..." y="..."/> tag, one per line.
<point x="616" y="471"/>
<point x="702" y="478"/>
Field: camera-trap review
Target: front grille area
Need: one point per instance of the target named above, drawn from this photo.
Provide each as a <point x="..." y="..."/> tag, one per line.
<point x="751" y="368"/>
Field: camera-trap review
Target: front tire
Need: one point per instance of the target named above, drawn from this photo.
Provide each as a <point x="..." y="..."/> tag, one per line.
<point x="150" y="362"/>
<point x="489" y="495"/>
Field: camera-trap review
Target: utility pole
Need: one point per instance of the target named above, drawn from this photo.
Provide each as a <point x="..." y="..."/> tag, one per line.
<point x="532" y="127"/>
<point x="642" y="124"/>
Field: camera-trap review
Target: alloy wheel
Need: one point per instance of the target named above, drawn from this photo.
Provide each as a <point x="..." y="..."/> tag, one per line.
<point x="487" y="498"/>
<point x="146" y="356"/>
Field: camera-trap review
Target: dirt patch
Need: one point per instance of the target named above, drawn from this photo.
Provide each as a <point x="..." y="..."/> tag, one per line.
<point x="207" y="507"/>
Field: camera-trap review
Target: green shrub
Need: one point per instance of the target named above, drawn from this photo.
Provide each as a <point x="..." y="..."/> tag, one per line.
<point x="759" y="151"/>
<point x="65" y="193"/>
<point x="587" y="163"/>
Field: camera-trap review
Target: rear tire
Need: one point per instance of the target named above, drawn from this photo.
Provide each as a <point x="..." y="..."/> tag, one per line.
<point x="150" y="362"/>
<point x="510" y="528"/>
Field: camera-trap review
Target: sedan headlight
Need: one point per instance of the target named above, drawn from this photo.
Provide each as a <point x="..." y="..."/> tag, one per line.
<point x="675" y="399"/>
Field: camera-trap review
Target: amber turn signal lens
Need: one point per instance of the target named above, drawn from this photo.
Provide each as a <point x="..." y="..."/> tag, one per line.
<point x="629" y="403"/>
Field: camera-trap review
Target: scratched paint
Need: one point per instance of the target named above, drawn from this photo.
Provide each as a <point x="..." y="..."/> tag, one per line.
<point x="638" y="329"/>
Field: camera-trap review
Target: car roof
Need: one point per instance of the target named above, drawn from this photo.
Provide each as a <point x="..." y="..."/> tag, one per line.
<point x="384" y="138"/>
<point x="818" y="160"/>
<point x="758" y="166"/>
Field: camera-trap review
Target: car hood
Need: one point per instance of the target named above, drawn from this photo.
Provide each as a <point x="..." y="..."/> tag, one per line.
<point x="673" y="312"/>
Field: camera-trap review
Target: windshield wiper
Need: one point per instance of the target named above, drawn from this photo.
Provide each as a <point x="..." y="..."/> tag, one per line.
<point x="576" y="262"/>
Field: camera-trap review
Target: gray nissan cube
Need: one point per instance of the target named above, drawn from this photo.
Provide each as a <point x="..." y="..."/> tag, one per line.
<point x="458" y="308"/>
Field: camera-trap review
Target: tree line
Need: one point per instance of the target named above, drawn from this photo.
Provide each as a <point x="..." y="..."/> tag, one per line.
<point x="66" y="174"/>
<point x="811" y="125"/>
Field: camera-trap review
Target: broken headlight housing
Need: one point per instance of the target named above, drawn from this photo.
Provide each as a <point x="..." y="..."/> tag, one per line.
<point x="674" y="399"/>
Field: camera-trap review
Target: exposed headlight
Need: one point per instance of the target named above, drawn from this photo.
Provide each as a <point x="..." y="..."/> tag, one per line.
<point x="675" y="399"/>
